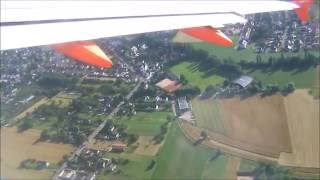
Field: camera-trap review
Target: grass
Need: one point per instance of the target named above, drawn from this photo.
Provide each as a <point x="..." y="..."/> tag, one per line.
<point x="304" y="79"/>
<point x="134" y="169"/>
<point x="247" y="166"/>
<point x="207" y="115"/>
<point x="194" y="76"/>
<point x="180" y="159"/>
<point x="144" y="123"/>
<point x="13" y="108"/>
<point x="247" y="54"/>
<point x="316" y="88"/>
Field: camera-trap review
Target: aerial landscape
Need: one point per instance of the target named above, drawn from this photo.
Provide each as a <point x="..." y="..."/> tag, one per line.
<point x="168" y="108"/>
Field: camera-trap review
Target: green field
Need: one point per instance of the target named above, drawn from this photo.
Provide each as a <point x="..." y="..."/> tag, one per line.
<point x="194" y="76"/>
<point x="134" y="169"/>
<point x="207" y="115"/>
<point x="304" y="79"/>
<point x="144" y="123"/>
<point x="247" y="54"/>
<point x="180" y="159"/>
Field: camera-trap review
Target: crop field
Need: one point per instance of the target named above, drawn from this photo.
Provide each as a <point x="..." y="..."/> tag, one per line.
<point x="194" y="76"/>
<point x="303" y="121"/>
<point x="16" y="147"/>
<point x="257" y="124"/>
<point x="303" y="79"/>
<point x="257" y="121"/>
<point x="208" y="115"/>
<point x="144" y="123"/>
<point x="180" y="158"/>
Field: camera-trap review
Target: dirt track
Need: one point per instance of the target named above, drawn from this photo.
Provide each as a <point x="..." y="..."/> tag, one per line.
<point x="16" y="147"/>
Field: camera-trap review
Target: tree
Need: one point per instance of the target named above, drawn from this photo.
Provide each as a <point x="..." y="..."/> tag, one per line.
<point x="203" y="134"/>
<point x="183" y="79"/>
<point x="132" y="139"/>
<point x="151" y="165"/>
<point x="25" y="125"/>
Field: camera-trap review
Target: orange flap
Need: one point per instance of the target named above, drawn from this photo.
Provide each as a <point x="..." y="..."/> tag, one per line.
<point x="84" y="51"/>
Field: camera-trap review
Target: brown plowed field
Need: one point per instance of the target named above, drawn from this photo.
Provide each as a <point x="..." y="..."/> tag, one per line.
<point x="256" y="121"/>
<point x="16" y="147"/>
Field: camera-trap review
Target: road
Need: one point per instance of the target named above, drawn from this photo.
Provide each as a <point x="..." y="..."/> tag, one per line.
<point x="85" y="144"/>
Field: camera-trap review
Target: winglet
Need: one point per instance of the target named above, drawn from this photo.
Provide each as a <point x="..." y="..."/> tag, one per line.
<point x="208" y="34"/>
<point x="84" y="51"/>
<point x="303" y="10"/>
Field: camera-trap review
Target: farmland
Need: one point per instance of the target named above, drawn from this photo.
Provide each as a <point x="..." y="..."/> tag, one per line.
<point x="179" y="158"/>
<point x="195" y="76"/>
<point x="16" y="147"/>
<point x="208" y="115"/>
<point x="144" y="123"/>
<point x="304" y="134"/>
<point x="304" y="79"/>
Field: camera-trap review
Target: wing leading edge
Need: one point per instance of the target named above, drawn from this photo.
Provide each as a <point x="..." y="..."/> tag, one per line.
<point x="34" y="23"/>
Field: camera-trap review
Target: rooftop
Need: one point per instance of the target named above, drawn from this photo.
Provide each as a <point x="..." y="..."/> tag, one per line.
<point x="243" y="81"/>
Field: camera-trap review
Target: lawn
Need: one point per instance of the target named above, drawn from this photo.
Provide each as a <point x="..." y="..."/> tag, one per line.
<point x="144" y="123"/>
<point x="316" y="88"/>
<point x="207" y="115"/>
<point x="247" y="54"/>
<point x="180" y="159"/>
<point x="303" y="79"/>
<point x="247" y="166"/>
<point x="194" y="76"/>
<point x="134" y="169"/>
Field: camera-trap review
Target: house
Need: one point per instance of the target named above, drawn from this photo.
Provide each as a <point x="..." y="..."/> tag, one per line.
<point x="118" y="148"/>
<point x="169" y="85"/>
<point x="67" y="174"/>
<point x="83" y="175"/>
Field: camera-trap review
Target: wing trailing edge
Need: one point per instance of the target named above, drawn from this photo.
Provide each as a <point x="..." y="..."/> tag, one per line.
<point x="84" y="51"/>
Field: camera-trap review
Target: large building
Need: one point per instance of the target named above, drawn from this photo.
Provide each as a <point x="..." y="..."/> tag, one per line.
<point x="243" y="81"/>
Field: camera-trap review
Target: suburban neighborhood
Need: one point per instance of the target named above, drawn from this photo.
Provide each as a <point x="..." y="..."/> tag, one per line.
<point x="166" y="109"/>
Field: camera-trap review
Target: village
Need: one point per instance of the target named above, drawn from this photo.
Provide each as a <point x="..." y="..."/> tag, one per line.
<point x="123" y="118"/>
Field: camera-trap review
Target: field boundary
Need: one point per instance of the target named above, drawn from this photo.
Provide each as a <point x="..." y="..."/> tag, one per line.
<point x="212" y="143"/>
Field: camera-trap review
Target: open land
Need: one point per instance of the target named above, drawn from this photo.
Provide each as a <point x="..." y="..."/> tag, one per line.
<point x="146" y="146"/>
<point x="285" y="127"/>
<point x="303" y="121"/>
<point x="31" y="108"/>
<point x="134" y="169"/>
<point x="208" y="115"/>
<point x="301" y="79"/>
<point x="316" y="89"/>
<point x="180" y="158"/>
<point x="144" y="123"/>
<point x="194" y="76"/>
<point x="16" y="147"/>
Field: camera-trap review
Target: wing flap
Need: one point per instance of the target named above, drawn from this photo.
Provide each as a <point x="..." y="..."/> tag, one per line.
<point x="85" y="51"/>
<point x="209" y="34"/>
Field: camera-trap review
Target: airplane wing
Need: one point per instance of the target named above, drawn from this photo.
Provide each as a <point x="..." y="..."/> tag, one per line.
<point x="57" y="23"/>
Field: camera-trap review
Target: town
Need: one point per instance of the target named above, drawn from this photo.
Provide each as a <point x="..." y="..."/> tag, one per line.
<point x="167" y="109"/>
